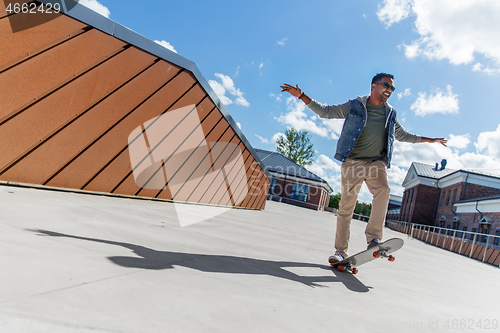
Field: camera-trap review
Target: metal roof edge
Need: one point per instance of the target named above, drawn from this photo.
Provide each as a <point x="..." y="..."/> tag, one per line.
<point x="110" y="27"/>
<point x="493" y="197"/>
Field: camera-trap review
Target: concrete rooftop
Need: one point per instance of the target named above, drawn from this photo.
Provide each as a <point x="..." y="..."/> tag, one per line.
<point x="82" y="263"/>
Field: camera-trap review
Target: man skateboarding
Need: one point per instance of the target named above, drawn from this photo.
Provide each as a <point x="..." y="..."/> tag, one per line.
<point x="365" y="149"/>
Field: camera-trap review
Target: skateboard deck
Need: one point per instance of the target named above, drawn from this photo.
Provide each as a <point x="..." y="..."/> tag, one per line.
<point x="382" y="250"/>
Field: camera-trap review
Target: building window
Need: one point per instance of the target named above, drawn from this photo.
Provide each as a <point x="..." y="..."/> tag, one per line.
<point x="496" y="242"/>
<point x="271" y="187"/>
<point x="442" y="199"/>
<point x="472" y="235"/>
<point x="448" y="198"/>
<point x="485" y="230"/>
<point x="300" y="192"/>
<point x="455" y="195"/>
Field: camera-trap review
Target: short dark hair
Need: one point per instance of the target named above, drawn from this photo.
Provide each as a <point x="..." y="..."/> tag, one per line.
<point x="380" y="76"/>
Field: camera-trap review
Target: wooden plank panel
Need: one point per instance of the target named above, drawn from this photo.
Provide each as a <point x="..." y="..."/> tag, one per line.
<point x="189" y="155"/>
<point x="250" y="183"/>
<point x="115" y="142"/>
<point x="193" y="96"/>
<point x="478" y="252"/>
<point x="207" y="115"/>
<point x="42" y="32"/>
<point x="29" y="128"/>
<point x="242" y="188"/>
<point x="466" y="248"/>
<point x="55" y="152"/>
<point x="33" y="78"/>
<point x="257" y="193"/>
<point x="496" y="258"/>
<point x="237" y="178"/>
<point x="216" y="175"/>
<point x="255" y="181"/>
<point x="101" y="118"/>
<point x="229" y="156"/>
<point x="165" y="135"/>
<point x="196" y="193"/>
<point x="261" y="199"/>
<point x="490" y="258"/>
<point x="213" y="126"/>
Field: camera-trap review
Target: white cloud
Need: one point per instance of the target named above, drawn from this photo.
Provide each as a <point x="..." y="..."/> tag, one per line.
<point x="455" y="30"/>
<point x="459" y="141"/>
<point x="226" y="84"/>
<point x="432" y="153"/>
<point x="220" y="91"/>
<point x="282" y="42"/>
<point x="277" y="136"/>
<point x="96" y="6"/>
<point x="262" y="140"/>
<point x="300" y="120"/>
<point x="276" y="97"/>
<point x="439" y="102"/>
<point x="405" y="93"/>
<point x="394" y="11"/>
<point x="396" y="176"/>
<point x="489" y="142"/>
<point x="327" y="169"/>
<point x="166" y="45"/>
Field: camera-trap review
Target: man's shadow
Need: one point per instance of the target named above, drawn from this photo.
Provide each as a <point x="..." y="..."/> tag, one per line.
<point x="159" y="260"/>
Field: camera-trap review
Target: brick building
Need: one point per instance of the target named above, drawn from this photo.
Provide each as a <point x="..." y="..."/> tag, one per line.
<point x="465" y="199"/>
<point x="293" y="184"/>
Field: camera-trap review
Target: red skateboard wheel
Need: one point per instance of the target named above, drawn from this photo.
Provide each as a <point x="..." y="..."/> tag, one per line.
<point x="391" y="258"/>
<point x="355" y="270"/>
<point x="376" y="254"/>
<point x="340" y="268"/>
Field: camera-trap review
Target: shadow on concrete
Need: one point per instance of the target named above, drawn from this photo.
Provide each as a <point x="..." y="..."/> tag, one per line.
<point x="159" y="260"/>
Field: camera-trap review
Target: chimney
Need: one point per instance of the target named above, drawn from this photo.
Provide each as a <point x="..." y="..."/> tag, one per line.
<point x="443" y="164"/>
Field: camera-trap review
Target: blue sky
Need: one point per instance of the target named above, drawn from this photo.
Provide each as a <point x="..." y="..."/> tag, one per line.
<point x="444" y="54"/>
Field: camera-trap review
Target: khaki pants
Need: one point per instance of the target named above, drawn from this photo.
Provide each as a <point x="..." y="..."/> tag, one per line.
<point x="354" y="173"/>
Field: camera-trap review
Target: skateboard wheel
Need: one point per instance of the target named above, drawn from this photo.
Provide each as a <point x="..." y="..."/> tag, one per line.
<point x="392" y="258"/>
<point x="376" y="254"/>
<point x="355" y="270"/>
<point x="340" y="268"/>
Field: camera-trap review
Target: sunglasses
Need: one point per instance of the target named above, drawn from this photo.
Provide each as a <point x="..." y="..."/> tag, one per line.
<point x="387" y="86"/>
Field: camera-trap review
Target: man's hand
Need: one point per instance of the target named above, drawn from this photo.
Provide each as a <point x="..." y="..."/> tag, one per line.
<point x="442" y="141"/>
<point x="297" y="92"/>
<point x="294" y="91"/>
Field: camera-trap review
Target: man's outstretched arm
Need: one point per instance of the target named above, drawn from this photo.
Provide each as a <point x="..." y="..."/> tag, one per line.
<point x="442" y="141"/>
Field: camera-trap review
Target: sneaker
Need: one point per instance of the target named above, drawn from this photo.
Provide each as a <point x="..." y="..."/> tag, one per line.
<point x="336" y="258"/>
<point x="373" y="243"/>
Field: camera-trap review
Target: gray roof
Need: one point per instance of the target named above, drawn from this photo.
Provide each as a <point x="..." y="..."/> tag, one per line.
<point x="484" y="172"/>
<point x="429" y="171"/>
<point x="275" y="162"/>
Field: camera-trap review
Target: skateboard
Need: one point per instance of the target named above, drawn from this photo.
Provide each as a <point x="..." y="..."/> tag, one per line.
<point x="382" y="250"/>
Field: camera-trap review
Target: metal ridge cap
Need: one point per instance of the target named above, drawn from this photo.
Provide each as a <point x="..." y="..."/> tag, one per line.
<point x="110" y="27"/>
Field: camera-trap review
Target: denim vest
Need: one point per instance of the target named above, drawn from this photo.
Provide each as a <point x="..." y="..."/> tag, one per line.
<point x="354" y="123"/>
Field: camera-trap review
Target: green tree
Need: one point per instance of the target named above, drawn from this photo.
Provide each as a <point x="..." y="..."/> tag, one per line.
<point x="334" y="201"/>
<point x="297" y="146"/>
<point x="361" y="207"/>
